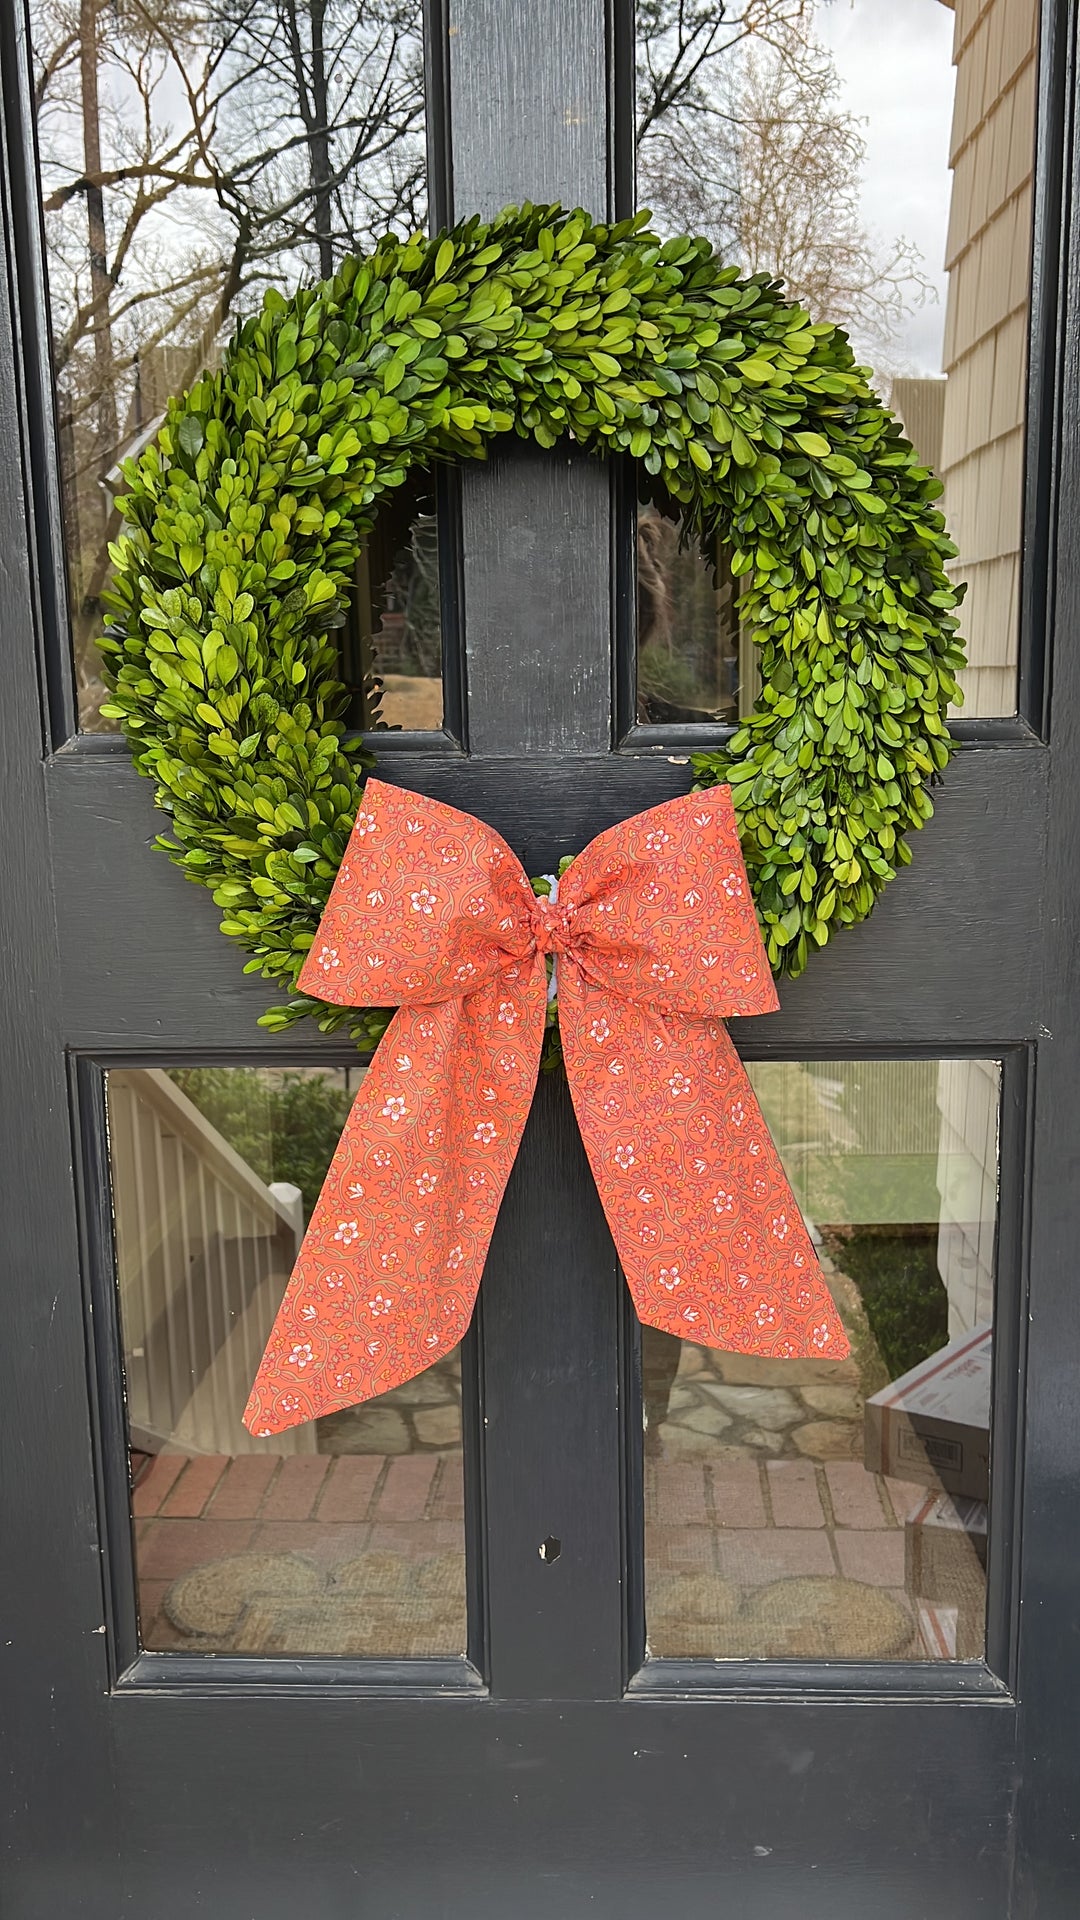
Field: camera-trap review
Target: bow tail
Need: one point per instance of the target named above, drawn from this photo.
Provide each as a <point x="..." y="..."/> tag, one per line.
<point x="708" y="1231"/>
<point x="387" y="1274"/>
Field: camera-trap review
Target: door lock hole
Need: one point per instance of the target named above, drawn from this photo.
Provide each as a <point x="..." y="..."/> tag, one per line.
<point x="550" y="1549"/>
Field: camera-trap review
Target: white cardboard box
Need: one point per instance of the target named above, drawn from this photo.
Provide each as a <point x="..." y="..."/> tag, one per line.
<point x="945" y="1546"/>
<point x="932" y="1425"/>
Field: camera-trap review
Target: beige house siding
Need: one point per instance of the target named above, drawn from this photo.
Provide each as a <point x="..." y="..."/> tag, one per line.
<point x="920" y="404"/>
<point x="969" y="1099"/>
<point x="970" y="426"/>
<point x="988" y="257"/>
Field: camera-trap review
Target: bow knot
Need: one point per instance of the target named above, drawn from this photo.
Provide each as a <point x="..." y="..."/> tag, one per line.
<point x="552" y="924"/>
<point x="432" y="910"/>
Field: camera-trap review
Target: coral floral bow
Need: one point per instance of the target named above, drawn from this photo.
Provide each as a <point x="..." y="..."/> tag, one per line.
<point x="655" y="942"/>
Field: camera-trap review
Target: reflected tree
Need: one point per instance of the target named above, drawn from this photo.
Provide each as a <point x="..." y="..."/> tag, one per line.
<point x="743" y="135"/>
<point x="190" y="154"/>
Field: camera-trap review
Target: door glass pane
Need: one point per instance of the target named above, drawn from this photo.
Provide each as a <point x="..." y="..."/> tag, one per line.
<point x="392" y="648"/>
<point x="185" y="167"/>
<point x="689" y="643"/>
<point x="345" y="1536"/>
<point x="810" y="1509"/>
<point x="877" y="159"/>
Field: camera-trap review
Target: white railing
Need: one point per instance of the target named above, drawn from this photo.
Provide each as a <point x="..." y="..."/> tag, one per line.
<point x="204" y="1250"/>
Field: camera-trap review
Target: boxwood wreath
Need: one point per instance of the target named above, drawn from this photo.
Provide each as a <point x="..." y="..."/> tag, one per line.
<point x="243" y="522"/>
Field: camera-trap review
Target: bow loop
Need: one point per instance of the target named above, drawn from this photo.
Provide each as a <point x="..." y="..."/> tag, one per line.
<point x="428" y="904"/>
<point x="663" y="914"/>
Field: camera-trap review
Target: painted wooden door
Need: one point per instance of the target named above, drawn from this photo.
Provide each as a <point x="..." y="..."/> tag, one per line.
<point x="655" y="1633"/>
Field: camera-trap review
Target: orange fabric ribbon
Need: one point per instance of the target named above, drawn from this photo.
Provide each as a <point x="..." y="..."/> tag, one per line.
<point x="655" y="942"/>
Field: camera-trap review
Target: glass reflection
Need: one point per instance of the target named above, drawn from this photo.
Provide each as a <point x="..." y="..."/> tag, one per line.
<point x="878" y="160"/>
<point x="689" y="643"/>
<point x="342" y="1537"/>
<point x="392" y="652"/>
<point x="809" y="1509"/>
<point x="189" y="157"/>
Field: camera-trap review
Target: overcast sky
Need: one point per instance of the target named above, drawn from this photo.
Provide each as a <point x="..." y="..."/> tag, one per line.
<point x="895" y="61"/>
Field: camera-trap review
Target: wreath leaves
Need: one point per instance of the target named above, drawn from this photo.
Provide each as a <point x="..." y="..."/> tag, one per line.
<point x="244" y="519"/>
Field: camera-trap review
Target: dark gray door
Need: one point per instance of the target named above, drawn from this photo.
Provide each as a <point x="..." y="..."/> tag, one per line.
<point x="820" y="1760"/>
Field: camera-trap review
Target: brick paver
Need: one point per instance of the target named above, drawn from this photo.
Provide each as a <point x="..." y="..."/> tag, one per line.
<point x="448" y="1498"/>
<point x="172" y="1546"/>
<point x="189" y="1496"/>
<point x="854" y="1495"/>
<point x="293" y="1494"/>
<point x="738" y="1500"/>
<point x="793" y="1492"/>
<point x="239" y="1493"/>
<point x="753" y="1559"/>
<point x="417" y="1539"/>
<point x="347" y="1491"/>
<point x="679" y="1549"/>
<point x="154" y="1484"/>
<point x="904" y="1496"/>
<point x="407" y="1486"/>
<point x="680" y="1493"/>
<point x="877" y="1558"/>
<point x="326" y="1545"/>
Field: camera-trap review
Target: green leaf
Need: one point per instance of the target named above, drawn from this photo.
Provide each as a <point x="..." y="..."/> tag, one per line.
<point x="190" y="434"/>
<point x="815" y="444"/>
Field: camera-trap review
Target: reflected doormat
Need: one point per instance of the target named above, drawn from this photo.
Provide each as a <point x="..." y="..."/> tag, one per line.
<point x="382" y="1605"/>
<point x="808" y="1617"/>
